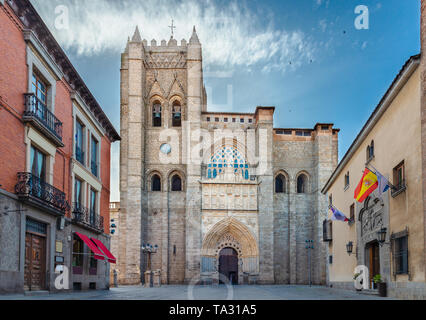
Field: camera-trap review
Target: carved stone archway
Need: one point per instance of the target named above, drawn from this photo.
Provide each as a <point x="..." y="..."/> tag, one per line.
<point x="234" y="234"/>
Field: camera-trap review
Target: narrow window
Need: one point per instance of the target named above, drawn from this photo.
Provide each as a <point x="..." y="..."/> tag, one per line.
<point x="352" y="212"/>
<point x="79" y="152"/>
<point x="216" y="119"/>
<point x="234" y="120"/>
<point x="39" y="88"/>
<point x="177" y="114"/>
<point x="93" y="195"/>
<point x="176" y="183"/>
<point x="155" y="183"/>
<point x="156" y="115"/>
<point x="242" y="120"/>
<point x="77" y="193"/>
<point x="399" y="177"/>
<point x="280" y="184"/>
<point x="225" y="119"/>
<point x="94" y="154"/>
<point x="208" y="119"/>
<point x="38" y="164"/>
<point x="347" y="180"/>
<point x="400" y="253"/>
<point x="301" y="184"/>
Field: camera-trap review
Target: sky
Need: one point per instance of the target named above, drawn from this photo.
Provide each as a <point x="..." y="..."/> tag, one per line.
<point x="305" y="57"/>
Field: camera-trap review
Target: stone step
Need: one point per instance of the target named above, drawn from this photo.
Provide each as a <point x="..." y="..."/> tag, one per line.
<point x="36" y="293"/>
<point x="374" y="292"/>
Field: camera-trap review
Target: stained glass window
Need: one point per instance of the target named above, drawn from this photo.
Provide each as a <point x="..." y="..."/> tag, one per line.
<point x="227" y="157"/>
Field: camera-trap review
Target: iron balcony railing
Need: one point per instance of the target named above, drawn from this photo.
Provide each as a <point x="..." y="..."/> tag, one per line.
<point x="398" y="188"/>
<point x="86" y="217"/>
<point x="79" y="154"/>
<point x="35" y="108"/>
<point x="32" y="187"/>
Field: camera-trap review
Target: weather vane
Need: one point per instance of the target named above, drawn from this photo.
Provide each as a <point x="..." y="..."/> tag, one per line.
<point x="172" y="27"/>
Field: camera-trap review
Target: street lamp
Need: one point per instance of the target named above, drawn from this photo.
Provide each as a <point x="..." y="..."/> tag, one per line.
<point x="349" y="247"/>
<point x="382" y="235"/>
<point x="149" y="249"/>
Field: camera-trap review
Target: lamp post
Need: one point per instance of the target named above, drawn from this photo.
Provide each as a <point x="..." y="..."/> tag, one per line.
<point x="149" y="249"/>
<point x="309" y="247"/>
<point x="382" y="235"/>
<point x="349" y="247"/>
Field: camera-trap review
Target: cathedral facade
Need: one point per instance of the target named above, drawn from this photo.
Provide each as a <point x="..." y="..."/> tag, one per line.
<point x="221" y="196"/>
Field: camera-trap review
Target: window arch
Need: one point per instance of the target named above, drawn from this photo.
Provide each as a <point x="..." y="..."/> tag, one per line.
<point x="302" y="183"/>
<point x="280" y="183"/>
<point x="176" y="114"/>
<point x="156" y="114"/>
<point x="155" y="183"/>
<point x="176" y="183"/>
<point x="227" y="157"/>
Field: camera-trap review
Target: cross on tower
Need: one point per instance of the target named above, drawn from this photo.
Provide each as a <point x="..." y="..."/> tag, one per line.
<point x="172" y="27"/>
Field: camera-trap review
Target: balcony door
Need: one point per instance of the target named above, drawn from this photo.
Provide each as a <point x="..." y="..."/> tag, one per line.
<point x="38" y="171"/>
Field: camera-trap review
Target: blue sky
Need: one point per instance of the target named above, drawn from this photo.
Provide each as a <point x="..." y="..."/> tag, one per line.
<point x="304" y="57"/>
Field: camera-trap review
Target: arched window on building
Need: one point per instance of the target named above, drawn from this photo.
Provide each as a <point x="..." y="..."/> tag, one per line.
<point x="177" y="114"/>
<point x="155" y="183"/>
<point x="228" y="158"/>
<point x="280" y="184"/>
<point x="176" y="183"/>
<point x="302" y="182"/>
<point x="156" y="114"/>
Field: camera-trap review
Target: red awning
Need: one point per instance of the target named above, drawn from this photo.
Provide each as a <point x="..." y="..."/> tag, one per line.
<point x="98" y="254"/>
<point x="105" y="250"/>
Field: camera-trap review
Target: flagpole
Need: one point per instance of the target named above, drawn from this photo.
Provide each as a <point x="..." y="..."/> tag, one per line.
<point x="375" y="171"/>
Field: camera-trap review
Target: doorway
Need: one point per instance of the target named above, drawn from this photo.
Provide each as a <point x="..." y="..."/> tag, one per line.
<point x="35" y="256"/>
<point x="228" y="265"/>
<point x="373" y="256"/>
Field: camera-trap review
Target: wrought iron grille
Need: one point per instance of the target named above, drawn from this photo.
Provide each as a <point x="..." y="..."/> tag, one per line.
<point x="30" y="185"/>
<point x="36" y="108"/>
<point x="398" y="188"/>
<point x="84" y="216"/>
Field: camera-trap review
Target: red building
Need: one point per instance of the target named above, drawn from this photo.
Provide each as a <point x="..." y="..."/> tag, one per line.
<point x="55" y="145"/>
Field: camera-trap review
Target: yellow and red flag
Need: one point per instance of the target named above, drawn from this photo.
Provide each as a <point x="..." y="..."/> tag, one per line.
<point x="366" y="186"/>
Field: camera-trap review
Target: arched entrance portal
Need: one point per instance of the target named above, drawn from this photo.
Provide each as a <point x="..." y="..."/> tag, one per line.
<point x="228" y="265"/>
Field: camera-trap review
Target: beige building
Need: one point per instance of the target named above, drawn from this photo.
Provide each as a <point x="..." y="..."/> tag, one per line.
<point x="391" y="142"/>
<point x="218" y="193"/>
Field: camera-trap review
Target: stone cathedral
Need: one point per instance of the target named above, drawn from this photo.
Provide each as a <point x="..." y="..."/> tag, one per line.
<point x="224" y="196"/>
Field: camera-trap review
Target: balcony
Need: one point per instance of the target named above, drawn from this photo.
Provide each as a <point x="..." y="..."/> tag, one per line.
<point x="84" y="217"/>
<point x="40" y="117"/>
<point x="36" y="192"/>
<point x="79" y="155"/>
<point x="399" y="188"/>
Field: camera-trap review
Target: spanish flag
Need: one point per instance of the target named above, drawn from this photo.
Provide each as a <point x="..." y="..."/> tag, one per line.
<point x="366" y="186"/>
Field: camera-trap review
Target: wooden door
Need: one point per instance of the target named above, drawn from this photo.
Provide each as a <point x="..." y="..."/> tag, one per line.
<point x="374" y="261"/>
<point x="35" y="262"/>
<point x="228" y="265"/>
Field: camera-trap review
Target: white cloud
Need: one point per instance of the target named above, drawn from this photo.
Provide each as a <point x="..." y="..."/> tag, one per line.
<point x="231" y="35"/>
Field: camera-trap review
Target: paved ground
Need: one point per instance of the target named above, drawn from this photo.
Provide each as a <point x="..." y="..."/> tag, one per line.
<point x="222" y="292"/>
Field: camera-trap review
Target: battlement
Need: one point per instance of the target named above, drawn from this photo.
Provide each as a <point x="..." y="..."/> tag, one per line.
<point x="163" y="45"/>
